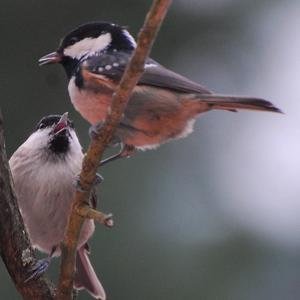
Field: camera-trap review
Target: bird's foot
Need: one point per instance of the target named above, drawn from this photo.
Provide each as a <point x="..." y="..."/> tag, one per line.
<point x="78" y="186"/>
<point x="38" y="269"/>
<point x="94" y="129"/>
<point x="126" y="151"/>
<point x="108" y="221"/>
<point x="99" y="178"/>
<point x="41" y="266"/>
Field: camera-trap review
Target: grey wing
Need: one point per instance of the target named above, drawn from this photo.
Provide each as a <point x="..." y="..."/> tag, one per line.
<point x="157" y="75"/>
<point x="113" y="65"/>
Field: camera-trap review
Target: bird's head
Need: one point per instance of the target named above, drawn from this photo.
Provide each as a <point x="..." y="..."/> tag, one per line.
<point x="55" y="135"/>
<point x="88" y="40"/>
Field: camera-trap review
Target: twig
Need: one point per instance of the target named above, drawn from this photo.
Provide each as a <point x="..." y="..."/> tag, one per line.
<point x="98" y="144"/>
<point x="15" y="247"/>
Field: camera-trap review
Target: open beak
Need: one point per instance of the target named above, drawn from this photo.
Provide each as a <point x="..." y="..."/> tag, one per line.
<point x="50" y="58"/>
<point x="62" y="124"/>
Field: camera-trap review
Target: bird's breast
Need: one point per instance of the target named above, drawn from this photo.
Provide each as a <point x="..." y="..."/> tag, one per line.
<point x="45" y="191"/>
<point x="91" y="102"/>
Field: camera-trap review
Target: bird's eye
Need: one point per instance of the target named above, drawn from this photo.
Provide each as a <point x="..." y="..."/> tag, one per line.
<point x="73" y="40"/>
<point x="42" y="125"/>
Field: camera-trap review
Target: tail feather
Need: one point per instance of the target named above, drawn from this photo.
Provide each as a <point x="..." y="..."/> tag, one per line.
<point x="234" y="102"/>
<point x="85" y="277"/>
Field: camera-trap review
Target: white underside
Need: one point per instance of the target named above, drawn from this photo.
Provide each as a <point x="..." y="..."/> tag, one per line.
<point x="45" y="190"/>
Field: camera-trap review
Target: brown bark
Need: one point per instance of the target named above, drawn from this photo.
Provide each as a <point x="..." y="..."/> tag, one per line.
<point x="98" y="144"/>
<point x="15" y="247"/>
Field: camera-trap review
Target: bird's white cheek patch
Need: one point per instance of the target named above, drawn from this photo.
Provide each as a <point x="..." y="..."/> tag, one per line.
<point x="88" y="46"/>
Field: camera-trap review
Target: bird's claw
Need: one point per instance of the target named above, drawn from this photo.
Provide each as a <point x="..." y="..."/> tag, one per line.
<point x="94" y="129"/>
<point x="38" y="269"/>
<point x="108" y="221"/>
<point x="125" y="152"/>
<point x="78" y="186"/>
<point x="99" y="178"/>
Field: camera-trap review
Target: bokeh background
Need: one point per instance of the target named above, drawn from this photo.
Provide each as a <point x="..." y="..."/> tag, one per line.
<point x="211" y="217"/>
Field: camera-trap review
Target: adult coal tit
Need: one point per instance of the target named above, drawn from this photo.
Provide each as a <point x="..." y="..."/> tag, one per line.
<point x="163" y="105"/>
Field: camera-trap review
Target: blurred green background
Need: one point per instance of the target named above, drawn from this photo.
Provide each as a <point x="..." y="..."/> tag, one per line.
<point x="211" y="217"/>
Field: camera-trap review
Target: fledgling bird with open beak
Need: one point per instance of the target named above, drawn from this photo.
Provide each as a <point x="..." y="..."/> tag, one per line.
<point x="163" y="105"/>
<point x="44" y="169"/>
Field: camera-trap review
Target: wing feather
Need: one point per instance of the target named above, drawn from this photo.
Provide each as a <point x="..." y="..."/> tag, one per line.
<point x="113" y="66"/>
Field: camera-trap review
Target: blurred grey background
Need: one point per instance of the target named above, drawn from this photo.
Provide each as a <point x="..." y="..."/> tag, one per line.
<point x="211" y="217"/>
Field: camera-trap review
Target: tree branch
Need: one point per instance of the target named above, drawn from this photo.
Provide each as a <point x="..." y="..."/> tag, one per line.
<point x="15" y="247"/>
<point x="98" y="144"/>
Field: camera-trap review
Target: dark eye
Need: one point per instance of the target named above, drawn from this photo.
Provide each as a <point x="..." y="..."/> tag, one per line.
<point x="73" y="40"/>
<point x="42" y="125"/>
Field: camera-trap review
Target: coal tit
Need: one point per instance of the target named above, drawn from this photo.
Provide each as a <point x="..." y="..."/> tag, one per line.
<point x="162" y="107"/>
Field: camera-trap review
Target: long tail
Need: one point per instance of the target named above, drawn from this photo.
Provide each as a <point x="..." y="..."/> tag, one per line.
<point x="85" y="277"/>
<point x="233" y="103"/>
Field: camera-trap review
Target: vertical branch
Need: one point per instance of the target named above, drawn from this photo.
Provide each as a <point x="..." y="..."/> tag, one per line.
<point x="98" y="144"/>
<point x="15" y="248"/>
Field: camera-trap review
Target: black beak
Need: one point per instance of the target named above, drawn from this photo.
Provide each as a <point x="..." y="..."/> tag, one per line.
<point x="62" y="125"/>
<point x="50" y="58"/>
